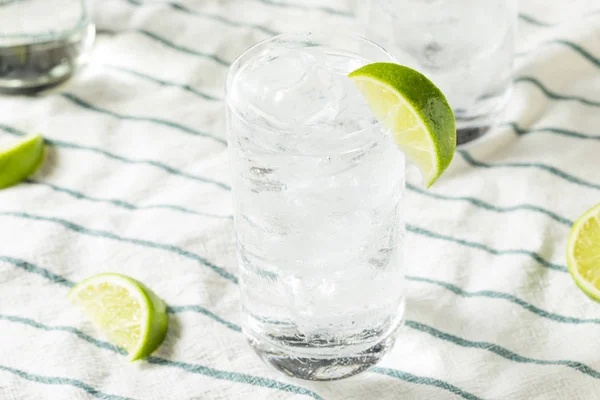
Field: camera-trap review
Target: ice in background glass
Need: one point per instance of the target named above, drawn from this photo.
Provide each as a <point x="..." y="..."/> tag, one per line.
<point x="42" y="42"/>
<point x="466" y="47"/>
<point x="317" y="186"/>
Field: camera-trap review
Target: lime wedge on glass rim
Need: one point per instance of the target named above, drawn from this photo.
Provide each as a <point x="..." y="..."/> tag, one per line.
<point x="414" y="110"/>
<point x="583" y="252"/>
<point x="21" y="160"/>
<point x="127" y="312"/>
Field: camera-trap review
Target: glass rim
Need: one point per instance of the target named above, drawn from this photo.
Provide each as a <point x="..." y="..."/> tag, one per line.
<point x="83" y="23"/>
<point x="236" y="64"/>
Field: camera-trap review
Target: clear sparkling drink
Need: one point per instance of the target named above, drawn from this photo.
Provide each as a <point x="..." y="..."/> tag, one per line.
<point x="317" y="185"/>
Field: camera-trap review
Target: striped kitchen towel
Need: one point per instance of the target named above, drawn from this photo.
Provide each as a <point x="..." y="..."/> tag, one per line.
<point x="137" y="182"/>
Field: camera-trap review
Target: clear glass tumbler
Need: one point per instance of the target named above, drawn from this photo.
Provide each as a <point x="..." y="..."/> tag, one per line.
<point x="317" y="187"/>
<point x="42" y="42"/>
<point x="466" y="47"/>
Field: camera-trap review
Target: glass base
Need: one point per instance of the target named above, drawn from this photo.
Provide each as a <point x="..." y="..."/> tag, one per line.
<point x="321" y="368"/>
<point x="475" y="123"/>
<point x="466" y="135"/>
<point x="31" y="67"/>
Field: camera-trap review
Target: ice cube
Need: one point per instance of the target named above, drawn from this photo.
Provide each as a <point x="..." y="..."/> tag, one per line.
<point x="289" y="86"/>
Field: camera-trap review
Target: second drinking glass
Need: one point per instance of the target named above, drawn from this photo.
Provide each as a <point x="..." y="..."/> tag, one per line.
<point x="466" y="47"/>
<point x="42" y="43"/>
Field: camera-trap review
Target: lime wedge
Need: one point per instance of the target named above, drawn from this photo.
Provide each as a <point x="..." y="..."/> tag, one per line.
<point x="415" y="111"/>
<point x="583" y="252"/>
<point x="21" y="160"/>
<point x="127" y="312"/>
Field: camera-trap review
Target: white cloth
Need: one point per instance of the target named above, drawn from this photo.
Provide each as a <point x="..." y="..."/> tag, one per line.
<point x="137" y="181"/>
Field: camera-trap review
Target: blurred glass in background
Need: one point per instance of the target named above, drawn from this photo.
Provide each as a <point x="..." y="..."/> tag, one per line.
<point x="466" y="47"/>
<point x="42" y="42"/>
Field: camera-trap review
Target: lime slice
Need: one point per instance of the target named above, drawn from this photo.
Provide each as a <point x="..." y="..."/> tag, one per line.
<point x="583" y="252"/>
<point x="415" y="111"/>
<point x="21" y="160"/>
<point x="126" y="311"/>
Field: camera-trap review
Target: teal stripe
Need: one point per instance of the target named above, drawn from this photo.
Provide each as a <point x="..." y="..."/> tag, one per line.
<point x="58" y="279"/>
<point x="555" y="96"/>
<point x="386" y="371"/>
<point x="224" y="20"/>
<point x="522" y="79"/>
<point x="492" y="251"/>
<point x="192" y="368"/>
<point x="124" y="204"/>
<point x="296" y="6"/>
<point x="501" y="351"/>
<point x="498" y="295"/>
<point x="505" y="296"/>
<point x="573" y="46"/>
<point x="415" y="230"/>
<point x="11" y="130"/>
<point x="554" y="171"/>
<point x="533" y="21"/>
<point x="53" y="380"/>
<point x="476" y="202"/>
<point x="234" y="377"/>
<point x="133" y="207"/>
<point x="391" y="372"/>
<point x="230" y="325"/>
<point x="98" y="343"/>
<point x="577" y="48"/>
<point x="420" y="380"/>
<point x="204" y="311"/>
<point x="82" y="103"/>
<point x="490" y="207"/>
<point x="182" y="49"/>
<point x="138" y="242"/>
<point x="215" y="17"/>
<point x="563" y="132"/>
<point x="162" y="82"/>
<point x="152" y="163"/>
<point x="531" y="254"/>
<point x="34" y="269"/>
